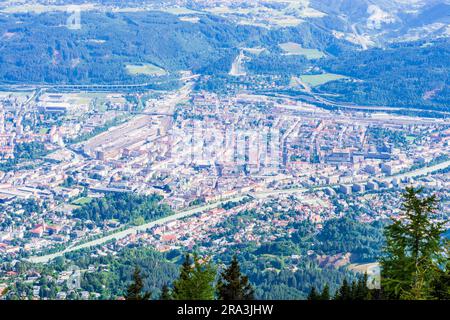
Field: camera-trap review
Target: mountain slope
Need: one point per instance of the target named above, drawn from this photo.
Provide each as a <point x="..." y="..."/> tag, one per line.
<point x="41" y="49"/>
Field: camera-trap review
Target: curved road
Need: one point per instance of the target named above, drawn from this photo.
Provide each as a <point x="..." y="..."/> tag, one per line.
<point x="182" y="214"/>
<point x="132" y="230"/>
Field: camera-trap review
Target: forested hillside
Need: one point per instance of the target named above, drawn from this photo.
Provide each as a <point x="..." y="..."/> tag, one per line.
<point x="39" y="48"/>
<point x="413" y="75"/>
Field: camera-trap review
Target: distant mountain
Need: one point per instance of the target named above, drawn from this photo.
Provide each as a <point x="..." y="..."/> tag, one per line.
<point x="376" y="22"/>
<point x="392" y="52"/>
<point x="366" y="23"/>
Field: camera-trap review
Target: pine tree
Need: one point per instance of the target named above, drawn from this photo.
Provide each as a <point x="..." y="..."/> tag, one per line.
<point x="181" y="286"/>
<point x="362" y="292"/>
<point x="195" y="281"/>
<point x="358" y="290"/>
<point x="134" y="291"/>
<point x="203" y="278"/>
<point x="344" y="292"/>
<point x="165" y="293"/>
<point x="441" y="284"/>
<point x="413" y="250"/>
<point x="233" y="285"/>
<point x="325" y="295"/>
<point x="313" y="294"/>
<point x="353" y="289"/>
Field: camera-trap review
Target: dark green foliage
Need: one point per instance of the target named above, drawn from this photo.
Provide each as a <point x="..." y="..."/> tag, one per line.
<point x="24" y="152"/>
<point x="406" y="75"/>
<point x="284" y="248"/>
<point x="134" y="291"/>
<point x="325" y="295"/>
<point x="197" y="202"/>
<point x="414" y="251"/>
<point x="313" y="295"/>
<point x="233" y="285"/>
<point x="29" y="151"/>
<point x="165" y="293"/>
<point x="69" y="182"/>
<point x="362" y="292"/>
<point x="344" y="292"/>
<point x="195" y="281"/>
<point x="357" y="290"/>
<point x="181" y="284"/>
<point x="115" y="272"/>
<point x="231" y="204"/>
<point x="287" y="285"/>
<point x="441" y="284"/>
<point x="41" y="50"/>
<point x="125" y="207"/>
<point x="346" y="234"/>
<point x="383" y="135"/>
<point x="266" y="264"/>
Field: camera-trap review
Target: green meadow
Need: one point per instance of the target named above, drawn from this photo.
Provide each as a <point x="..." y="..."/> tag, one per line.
<point x="145" y="69"/>
<point x="292" y="48"/>
<point x="316" y="80"/>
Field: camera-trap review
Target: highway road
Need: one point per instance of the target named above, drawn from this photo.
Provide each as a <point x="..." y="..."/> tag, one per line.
<point x="186" y="213"/>
<point x="421" y="171"/>
<point x="133" y="230"/>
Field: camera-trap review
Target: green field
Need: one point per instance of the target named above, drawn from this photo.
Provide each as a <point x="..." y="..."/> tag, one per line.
<point x="145" y="69"/>
<point x="44" y="130"/>
<point x="81" y="201"/>
<point x="256" y="51"/>
<point x="180" y="11"/>
<point x="319" y="79"/>
<point x="292" y="48"/>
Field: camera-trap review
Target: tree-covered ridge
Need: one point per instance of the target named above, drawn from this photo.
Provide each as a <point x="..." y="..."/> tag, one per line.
<point x="281" y="269"/>
<point x="340" y="235"/>
<point x="414" y="243"/>
<point x="103" y="276"/>
<point x="41" y="49"/>
<point x="415" y="264"/>
<point x="196" y="281"/>
<point x="354" y="291"/>
<point x="123" y="207"/>
<point x="362" y="240"/>
<point x="412" y="75"/>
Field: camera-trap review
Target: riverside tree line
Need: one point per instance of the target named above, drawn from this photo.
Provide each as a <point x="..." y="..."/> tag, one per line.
<point x="415" y="265"/>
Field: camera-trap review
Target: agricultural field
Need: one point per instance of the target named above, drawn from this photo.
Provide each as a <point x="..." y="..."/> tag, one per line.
<point x="81" y="201"/>
<point x="179" y="11"/>
<point x="286" y="21"/>
<point x="190" y="19"/>
<point x="256" y="51"/>
<point x="20" y="95"/>
<point x="292" y="48"/>
<point x="316" y="80"/>
<point x="145" y="69"/>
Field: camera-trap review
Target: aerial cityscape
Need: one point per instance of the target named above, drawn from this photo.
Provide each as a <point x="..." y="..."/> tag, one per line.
<point x="281" y="132"/>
